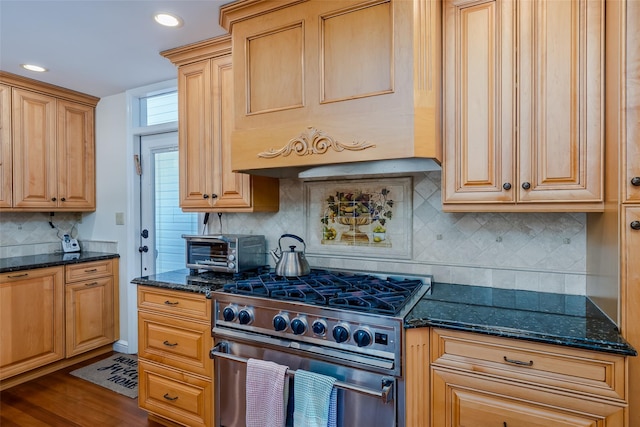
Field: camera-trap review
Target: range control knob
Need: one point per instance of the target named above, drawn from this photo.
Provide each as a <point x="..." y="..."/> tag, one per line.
<point x="229" y="313"/>
<point x="299" y="325"/>
<point x="340" y="333"/>
<point x="362" y="337"/>
<point x="231" y="257"/>
<point x="280" y="322"/>
<point x="245" y="316"/>
<point x="319" y="327"/>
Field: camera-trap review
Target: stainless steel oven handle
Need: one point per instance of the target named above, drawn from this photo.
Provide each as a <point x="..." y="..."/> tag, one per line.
<point x="385" y="393"/>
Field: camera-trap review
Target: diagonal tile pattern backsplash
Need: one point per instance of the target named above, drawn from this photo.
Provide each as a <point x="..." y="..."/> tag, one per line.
<point x="533" y="251"/>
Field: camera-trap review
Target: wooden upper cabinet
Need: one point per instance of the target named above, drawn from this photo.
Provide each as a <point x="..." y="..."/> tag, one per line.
<point x="34" y="150"/>
<point x="52" y="147"/>
<point x="205" y="108"/>
<point x="479" y="102"/>
<point x="6" y="170"/>
<point x="76" y="156"/>
<point x="323" y="82"/>
<point x="631" y="152"/>
<point x="523" y="132"/>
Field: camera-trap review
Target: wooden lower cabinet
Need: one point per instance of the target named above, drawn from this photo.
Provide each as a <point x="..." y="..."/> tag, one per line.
<point x="54" y="317"/>
<point x="175" y="395"/>
<point x="459" y="379"/>
<point x="90" y="295"/>
<point x="175" y="372"/>
<point x="465" y="399"/>
<point x="31" y="319"/>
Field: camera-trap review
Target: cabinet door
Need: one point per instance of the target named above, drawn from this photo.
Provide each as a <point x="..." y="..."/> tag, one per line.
<point x="233" y="190"/>
<point x="194" y="143"/>
<point x="6" y="178"/>
<point x="76" y="156"/>
<point x="631" y="153"/>
<point x="630" y="299"/>
<point x="34" y="150"/>
<point x="31" y="319"/>
<point x="479" y="107"/>
<point x="89" y="315"/>
<point x="466" y="400"/>
<point x="560" y="82"/>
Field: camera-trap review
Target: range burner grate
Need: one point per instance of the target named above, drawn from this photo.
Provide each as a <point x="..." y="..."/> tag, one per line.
<point x="360" y="292"/>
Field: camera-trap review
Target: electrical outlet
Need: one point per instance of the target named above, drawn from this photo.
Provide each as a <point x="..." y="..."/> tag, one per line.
<point x="119" y="218"/>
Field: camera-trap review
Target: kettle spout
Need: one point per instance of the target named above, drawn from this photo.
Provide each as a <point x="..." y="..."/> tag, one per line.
<point x="274" y="255"/>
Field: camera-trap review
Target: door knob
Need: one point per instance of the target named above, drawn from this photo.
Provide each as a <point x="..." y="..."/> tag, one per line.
<point x="145" y="234"/>
<point x="143" y="249"/>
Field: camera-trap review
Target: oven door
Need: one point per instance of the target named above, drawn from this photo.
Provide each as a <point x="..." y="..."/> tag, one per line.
<point x="364" y="398"/>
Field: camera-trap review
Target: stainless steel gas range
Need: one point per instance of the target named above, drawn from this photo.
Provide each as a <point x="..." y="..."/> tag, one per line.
<point x="345" y="324"/>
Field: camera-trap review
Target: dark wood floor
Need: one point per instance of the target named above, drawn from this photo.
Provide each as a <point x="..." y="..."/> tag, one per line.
<point x="60" y="399"/>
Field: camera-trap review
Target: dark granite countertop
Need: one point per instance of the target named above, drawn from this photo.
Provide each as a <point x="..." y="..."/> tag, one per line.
<point x="28" y="262"/>
<point x="570" y="320"/>
<point x="181" y="280"/>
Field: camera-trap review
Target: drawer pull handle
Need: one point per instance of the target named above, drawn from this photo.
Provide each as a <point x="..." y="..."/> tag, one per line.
<point x="171" y="303"/>
<point x="15" y="276"/>
<point x="92" y="270"/>
<point x="168" y="344"/>
<point x="91" y="284"/>
<point x="518" y="362"/>
<point x="166" y="396"/>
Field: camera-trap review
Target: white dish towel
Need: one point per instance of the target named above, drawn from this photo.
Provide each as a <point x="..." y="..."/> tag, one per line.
<point x="313" y="400"/>
<point x="266" y="394"/>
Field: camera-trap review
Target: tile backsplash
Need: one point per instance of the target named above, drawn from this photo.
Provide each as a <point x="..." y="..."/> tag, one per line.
<point x="29" y="233"/>
<point x="531" y="251"/>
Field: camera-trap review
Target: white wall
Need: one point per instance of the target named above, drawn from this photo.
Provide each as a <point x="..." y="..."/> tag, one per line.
<point x="113" y="178"/>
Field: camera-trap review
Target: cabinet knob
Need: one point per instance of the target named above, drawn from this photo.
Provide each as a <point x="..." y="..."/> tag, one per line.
<point x="526" y="185"/>
<point x="635" y="225"/>
<point x="635" y="181"/>
<point x="53" y="199"/>
<point x="63" y="199"/>
<point x="214" y="196"/>
<point x="205" y="196"/>
<point x="506" y="186"/>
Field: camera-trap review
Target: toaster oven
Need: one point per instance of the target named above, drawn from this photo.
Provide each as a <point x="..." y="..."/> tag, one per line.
<point x="229" y="253"/>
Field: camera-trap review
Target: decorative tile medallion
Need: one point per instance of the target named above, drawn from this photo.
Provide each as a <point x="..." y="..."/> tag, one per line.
<point x="359" y="217"/>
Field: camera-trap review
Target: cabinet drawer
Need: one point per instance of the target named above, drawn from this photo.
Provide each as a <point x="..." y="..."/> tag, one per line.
<point x="88" y="270"/>
<point x="183" y="398"/>
<point x="195" y="306"/>
<point x="179" y="343"/>
<point x="552" y="366"/>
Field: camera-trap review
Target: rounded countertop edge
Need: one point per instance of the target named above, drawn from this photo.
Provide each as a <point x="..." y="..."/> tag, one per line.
<point x="29" y="262"/>
<point x="622" y="349"/>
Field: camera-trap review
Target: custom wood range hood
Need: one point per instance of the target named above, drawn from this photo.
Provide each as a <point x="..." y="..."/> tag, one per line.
<point x="335" y="82"/>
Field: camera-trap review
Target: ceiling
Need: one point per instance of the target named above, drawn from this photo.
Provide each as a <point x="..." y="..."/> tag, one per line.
<point x="100" y="47"/>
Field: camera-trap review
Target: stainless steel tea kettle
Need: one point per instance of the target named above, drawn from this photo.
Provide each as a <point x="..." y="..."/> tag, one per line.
<point x="291" y="263"/>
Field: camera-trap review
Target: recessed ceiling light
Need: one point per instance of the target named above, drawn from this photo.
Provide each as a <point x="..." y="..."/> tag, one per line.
<point x="32" y="67"/>
<point x="168" y="20"/>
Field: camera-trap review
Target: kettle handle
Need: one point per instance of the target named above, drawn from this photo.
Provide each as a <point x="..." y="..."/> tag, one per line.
<point x="293" y="236"/>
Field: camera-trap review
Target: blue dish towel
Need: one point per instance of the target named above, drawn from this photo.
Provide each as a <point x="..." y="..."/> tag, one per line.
<point x="312" y="399"/>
